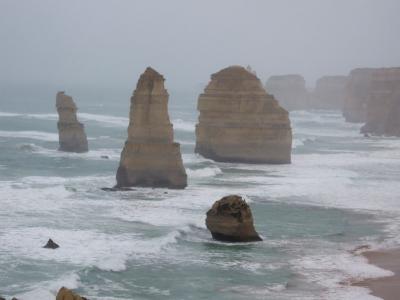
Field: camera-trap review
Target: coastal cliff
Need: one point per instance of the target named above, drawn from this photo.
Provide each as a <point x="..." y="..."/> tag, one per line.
<point x="240" y="122"/>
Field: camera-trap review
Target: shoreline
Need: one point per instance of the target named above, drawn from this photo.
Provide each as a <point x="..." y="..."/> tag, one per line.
<point x="387" y="288"/>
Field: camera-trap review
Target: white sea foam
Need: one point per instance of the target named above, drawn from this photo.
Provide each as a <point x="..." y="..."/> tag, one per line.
<point x="34" y="135"/>
<point x="203" y="172"/>
<point x="183" y="125"/>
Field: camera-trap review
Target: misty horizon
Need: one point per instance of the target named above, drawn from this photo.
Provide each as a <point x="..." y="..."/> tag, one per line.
<point x="93" y="43"/>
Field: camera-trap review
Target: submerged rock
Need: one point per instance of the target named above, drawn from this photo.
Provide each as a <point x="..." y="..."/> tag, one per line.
<point x="66" y="294"/>
<point x="230" y="220"/>
<point x="240" y="122"/>
<point x="356" y="95"/>
<point x="150" y="157"/>
<point x="329" y="92"/>
<point x="290" y="91"/>
<point x="72" y="136"/>
<point x="117" y="189"/>
<point x="51" y="245"/>
<point x="383" y="106"/>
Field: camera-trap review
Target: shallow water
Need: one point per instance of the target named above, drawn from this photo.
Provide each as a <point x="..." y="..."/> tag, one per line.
<point x="339" y="192"/>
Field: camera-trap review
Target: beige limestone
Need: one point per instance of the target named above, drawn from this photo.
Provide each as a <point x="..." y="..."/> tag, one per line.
<point x="240" y="122"/>
<point x="72" y="136"/>
<point x="329" y="92"/>
<point x="230" y="220"/>
<point x="383" y="105"/>
<point x="290" y="91"/>
<point x="150" y="156"/>
<point x="357" y="94"/>
<point x="66" y="294"/>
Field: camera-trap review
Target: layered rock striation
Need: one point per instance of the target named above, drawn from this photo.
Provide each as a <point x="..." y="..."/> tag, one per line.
<point x="150" y="157"/>
<point x="240" y="122"/>
<point x="329" y="92"/>
<point x="290" y="91"/>
<point x="383" y="106"/>
<point x="230" y="220"/>
<point x="357" y="94"/>
<point x="72" y="136"/>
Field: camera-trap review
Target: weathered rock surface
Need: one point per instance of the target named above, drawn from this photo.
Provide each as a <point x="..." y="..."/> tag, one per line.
<point x="51" y="245"/>
<point x="240" y="122"/>
<point x="290" y="91"/>
<point x="230" y="220"/>
<point x="150" y="157"/>
<point x="66" y="294"/>
<point x="357" y="95"/>
<point x="329" y="92"/>
<point x="383" y="106"/>
<point x="72" y="137"/>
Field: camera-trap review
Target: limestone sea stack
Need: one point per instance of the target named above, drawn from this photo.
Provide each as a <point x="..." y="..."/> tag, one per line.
<point x="150" y="157"/>
<point x="72" y="136"/>
<point x="357" y="94"/>
<point x="66" y="294"/>
<point x="290" y="91"/>
<point x="383" y="106"/>
<point x="230" y="220"/>
<point x="240" y="122"/>
<point x="329" y="92"/>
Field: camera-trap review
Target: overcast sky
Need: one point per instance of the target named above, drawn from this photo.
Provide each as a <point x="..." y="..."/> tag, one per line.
<point x="100" y="42"/>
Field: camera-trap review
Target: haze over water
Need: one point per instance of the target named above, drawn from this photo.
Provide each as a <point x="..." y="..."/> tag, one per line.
<point x="340" y="191"/>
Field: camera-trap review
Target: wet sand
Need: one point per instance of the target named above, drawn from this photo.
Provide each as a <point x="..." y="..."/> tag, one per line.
<point x="387" y="288"/>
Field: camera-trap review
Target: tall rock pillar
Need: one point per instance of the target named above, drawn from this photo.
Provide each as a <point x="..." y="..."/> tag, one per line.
<point x="150" y="157"/>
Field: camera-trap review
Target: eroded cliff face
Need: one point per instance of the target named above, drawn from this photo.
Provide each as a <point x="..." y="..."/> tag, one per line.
<point x="72" y="136"/>
<point x="290" y="91"/>
<point x="357" y="95"/>
<point x="383" y="106"/>
<point x="240" y="122"/>
<point x="150" y="157"/>
<point x="329" y="92"/>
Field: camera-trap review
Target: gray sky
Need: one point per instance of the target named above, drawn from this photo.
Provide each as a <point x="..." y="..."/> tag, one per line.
<point x="100" y="42"/>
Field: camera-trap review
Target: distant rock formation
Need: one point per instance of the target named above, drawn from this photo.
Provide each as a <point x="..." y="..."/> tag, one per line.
<point x="230" y="220"/>
<point x="51" y="245"/>
<point x="150" y="157"/>
<point x="240" y="122"/>
<point x="66" y="294"/>
<point x="329" y="92"/>
<point x="357" y="94"/>
<point x="290" y="91"/>
<point x="383" y="106"/>
<point x="72" y="137"/>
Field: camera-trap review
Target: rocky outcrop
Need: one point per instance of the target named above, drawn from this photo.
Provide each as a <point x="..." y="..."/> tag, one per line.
<point x="230" y="220"/>
<point x="66" y="294"/>
<point x="72" y="137"/>
<point x="383" y="106"/>
<point x="357" y="95"/>
<point x="290" y="91"/>
<point x="51" y="245"/>
<point x="150" y="157"/>
<point x="240" y="122"/>
<point x="329" y="92"/>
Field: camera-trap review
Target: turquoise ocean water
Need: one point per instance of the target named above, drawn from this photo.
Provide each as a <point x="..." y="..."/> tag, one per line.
<point x="341" y="191"/>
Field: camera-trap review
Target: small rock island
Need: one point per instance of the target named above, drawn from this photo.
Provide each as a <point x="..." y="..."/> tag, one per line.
<point x="150" y="157"/>
<point x="240" y="122"/>
<point x="230" y="220"/>
<point x="72" y="136"/>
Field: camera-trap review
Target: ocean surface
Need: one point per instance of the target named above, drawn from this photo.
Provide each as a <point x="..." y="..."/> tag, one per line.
<point x="341" y="191"/>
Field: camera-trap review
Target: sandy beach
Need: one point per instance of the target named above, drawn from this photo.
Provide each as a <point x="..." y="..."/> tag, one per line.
<point x="387" y="288"/>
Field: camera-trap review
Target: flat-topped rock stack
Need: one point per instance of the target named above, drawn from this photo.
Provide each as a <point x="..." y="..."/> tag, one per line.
<point x="150" y="157"/>
<point x="383" y="106"/>
<point x="72" y="136"/>
<point x="240" y="122"/>
<point x="290" y="91"/>
<point x="329" y="92"/>
<point x="357" y="95"/>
